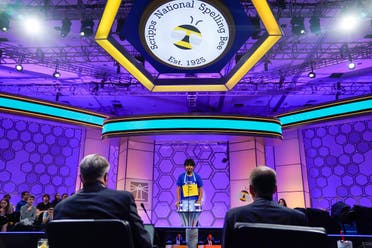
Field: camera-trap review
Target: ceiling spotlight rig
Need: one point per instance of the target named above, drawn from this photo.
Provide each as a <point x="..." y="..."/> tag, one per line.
<point x="345" y="53"/>
<point x="311" y="74"/>
<point x="298" y="26"/>
<point x="66" y="27"/>
<point x="86" y="28"/>
<point x="19" y="66"/>
<point x="4" y="21"/>
<point x="56" y="73"/>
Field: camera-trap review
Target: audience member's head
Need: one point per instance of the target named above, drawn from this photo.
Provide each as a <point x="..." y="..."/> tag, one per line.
<point x="46" y="198"/>
<point x="25" y="195"/>
<point x="282" y="202"/>
<point x="7" y="197"/>
<point x="4" y="204"/>
<point x="30" y="200"/>
<point x="57" y="196"/>
<point x="94" y="168"/>
<point x="262" y="182"/>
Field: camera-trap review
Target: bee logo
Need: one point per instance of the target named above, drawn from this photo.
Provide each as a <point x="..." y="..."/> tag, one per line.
<point x="190" y="35"/>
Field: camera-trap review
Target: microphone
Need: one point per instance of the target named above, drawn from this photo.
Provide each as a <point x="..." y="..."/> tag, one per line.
<point x="144" y="209"/>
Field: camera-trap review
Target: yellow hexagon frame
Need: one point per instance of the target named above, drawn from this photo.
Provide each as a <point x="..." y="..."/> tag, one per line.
<point x="112" y="47"/>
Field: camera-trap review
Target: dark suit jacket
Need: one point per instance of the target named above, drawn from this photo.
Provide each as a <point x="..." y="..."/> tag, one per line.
<point x="95" y="201"/>
<point x="261" y="211"/>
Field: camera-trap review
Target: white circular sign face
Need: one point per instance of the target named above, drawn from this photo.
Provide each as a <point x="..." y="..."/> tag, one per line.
<point x="186" y="34"/>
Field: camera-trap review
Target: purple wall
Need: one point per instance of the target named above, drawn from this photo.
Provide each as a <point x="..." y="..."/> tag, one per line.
<point x="168" y="165"/>
<point x="339" y="163"/>
<point x="43" y="156"/>
<point x="37" y="156"/>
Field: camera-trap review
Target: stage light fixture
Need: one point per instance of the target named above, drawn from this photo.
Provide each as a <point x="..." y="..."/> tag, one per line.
<point x="56" y="74"/>
<point x="4" y="22"/>
<point x="298" y="26"/>
<point x="351" y="65"/>
<point x="315" y="25"/>
<point x="311" y="74"/>
<point x="86" y="27"/>
<point x="66" y="27"/>
<point x="19" y="67"/>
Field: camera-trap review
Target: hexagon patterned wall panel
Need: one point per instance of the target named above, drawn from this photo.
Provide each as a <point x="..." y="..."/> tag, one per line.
<point x="37" y="156"/>
<point x="114" y="163"/>
<point x="211" y="165"/>
<point x="339" y="165"/>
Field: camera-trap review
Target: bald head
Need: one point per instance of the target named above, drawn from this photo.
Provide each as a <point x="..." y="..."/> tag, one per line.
<point x="93" y="168"/>
<point x="262" y="182"/>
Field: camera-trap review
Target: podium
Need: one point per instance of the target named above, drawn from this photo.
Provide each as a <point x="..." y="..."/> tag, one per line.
<point x="189" y="213"/>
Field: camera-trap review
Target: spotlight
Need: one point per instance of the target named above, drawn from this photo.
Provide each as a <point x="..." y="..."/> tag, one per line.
<point x="349" y="22"/>
<point x="298" y="26"/>
<point x="4" y="22"/>
<point x="351" y="65"/>
<point x="19" y="67"/>
<point x="311" y="74"/>
<point x="66" y="27"/>
<point x="315" y="25"/>
<point x="86" y="27"/>
<point x="56" y="74"/>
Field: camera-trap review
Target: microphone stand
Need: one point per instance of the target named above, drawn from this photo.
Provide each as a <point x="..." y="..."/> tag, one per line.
<point x="155" y="240"/>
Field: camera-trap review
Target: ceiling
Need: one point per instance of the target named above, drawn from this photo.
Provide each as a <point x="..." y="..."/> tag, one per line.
<point x="278" y="83"/>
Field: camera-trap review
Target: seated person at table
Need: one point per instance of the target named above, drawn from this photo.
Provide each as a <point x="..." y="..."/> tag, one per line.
<point x="263" y="209"/>
<point x="95" y="201"/>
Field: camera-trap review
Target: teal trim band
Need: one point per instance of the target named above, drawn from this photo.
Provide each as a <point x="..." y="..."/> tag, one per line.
<point x="50" y="111"/>
<point x="191" y="124"/>
<point x="326" y="112"/>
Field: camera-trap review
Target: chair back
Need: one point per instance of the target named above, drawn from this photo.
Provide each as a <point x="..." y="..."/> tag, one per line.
<point x="363" y="219"/>
<point x="259" y="235"/>
<point x="89" y="233"/>
<point x="322" y="218"/>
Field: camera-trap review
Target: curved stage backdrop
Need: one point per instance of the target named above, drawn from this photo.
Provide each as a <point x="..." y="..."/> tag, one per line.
<point x="331" y="159"/>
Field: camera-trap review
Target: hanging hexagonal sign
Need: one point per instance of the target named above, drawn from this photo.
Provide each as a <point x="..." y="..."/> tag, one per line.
<point x="187" y="45"/>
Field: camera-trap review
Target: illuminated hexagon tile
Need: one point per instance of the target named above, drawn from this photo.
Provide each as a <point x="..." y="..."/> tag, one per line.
<point x="220" y="180"/>
<point x="162" y="209"/>
<point x="166" y="182"/>
<point x="179" y="157"/>
<point x="7" y="124"/>
<point x="204" y="170"/>
<point x="20" y="125"/>
<point x="46" y="129"/>
<point x="4" y="176"/>
<point x="165" y="151"/>
<point x="361" y="180"/>
<point x="166" y="196"/>
<point x="166" y="166"/>
<point x="204" y="152"/>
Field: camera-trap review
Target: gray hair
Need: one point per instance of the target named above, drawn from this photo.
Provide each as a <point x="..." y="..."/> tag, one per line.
<point x="93" y="166"/>
<point x="263" y="181"/>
